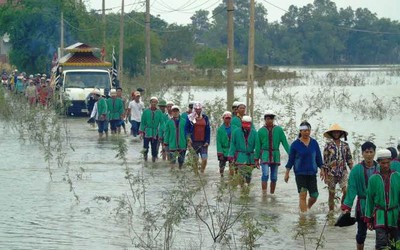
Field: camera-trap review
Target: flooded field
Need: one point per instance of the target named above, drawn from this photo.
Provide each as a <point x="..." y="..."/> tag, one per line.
<point x="125" y="203"/>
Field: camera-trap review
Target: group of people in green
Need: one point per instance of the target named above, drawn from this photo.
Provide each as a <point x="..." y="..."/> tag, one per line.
<point x="375" y="183"/>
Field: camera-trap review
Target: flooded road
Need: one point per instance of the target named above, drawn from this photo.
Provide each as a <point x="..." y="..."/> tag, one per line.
<point x="40" y="213"/>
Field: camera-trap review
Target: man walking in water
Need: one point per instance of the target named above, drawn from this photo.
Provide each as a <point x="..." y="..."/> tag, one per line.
<point x="357" y="186"/>
<point x="198" y="131"/>
<point x="270" y="137"/>
<point x="383" y="200"/>
<point x="151" y="121"/>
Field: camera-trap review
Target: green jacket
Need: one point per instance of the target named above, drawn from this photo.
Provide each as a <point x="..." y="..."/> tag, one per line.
<point x="175" y="137"/>
<point x="223" y="141"/>
<point x="150" y="123"/>
<point x="357" y="186"/>
<point x="269" y="144"/>
<point x="377" y="209"/>
<point x="116" y="108"/>
<point x="242" y="152"/>
<point x="395" y="166"/>
<point x="161" y="130"/>
<point x="102" y="107"/>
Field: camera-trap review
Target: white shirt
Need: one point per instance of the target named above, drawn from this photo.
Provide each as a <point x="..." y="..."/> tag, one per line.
<point x="94" y="112"/>
<point x="136" y="110"/>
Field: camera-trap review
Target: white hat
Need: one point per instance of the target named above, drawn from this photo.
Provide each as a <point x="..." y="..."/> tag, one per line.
<point x="96" y="92"/>
<point x="241" y="103"/>
<point x="113" y="92"/>
<point x="170" y="103"/>
<point x="383" y="154"/>
<point x="235" y="104"/>
<point x="197" y="105"/>
<point x="153" y="98"/>
<point x="269" y="112"/>
<point x="227" y="113"/>
<point x="246" y="118"/>
<point x="175" y="107"/>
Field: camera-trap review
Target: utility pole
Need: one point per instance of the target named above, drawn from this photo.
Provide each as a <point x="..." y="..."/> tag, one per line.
<point x="121" y="45"/>
<point x="230" y="87"/>
<point x="250" y="64"/>
<point x="148" y="50"/>
<point x="104" y="22"/>
<point x="62" y="35"/>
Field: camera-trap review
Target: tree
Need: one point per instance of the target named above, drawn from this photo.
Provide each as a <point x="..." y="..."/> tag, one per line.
<point x="210" y="58"/>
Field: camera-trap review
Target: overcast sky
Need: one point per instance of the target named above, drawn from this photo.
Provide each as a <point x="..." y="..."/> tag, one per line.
<point x="180" y="11"/>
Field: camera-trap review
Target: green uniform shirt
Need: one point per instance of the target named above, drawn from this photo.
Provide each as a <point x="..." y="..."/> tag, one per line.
<point x="395" y="166"/>
<point x="174" y="135"/>
<point x="102" y="107"/>
<point x="116" y="108"/>
<point x="223" y="141"/>
<point x="383" y="203"/>
<point x="269" y="144"/>
<point x="357" y="186"/>
<point x="242" y="152"/>
<point x="150" y="123"/>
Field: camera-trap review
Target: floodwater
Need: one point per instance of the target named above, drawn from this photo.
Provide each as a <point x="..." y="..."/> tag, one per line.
<point x="40" y="213"/>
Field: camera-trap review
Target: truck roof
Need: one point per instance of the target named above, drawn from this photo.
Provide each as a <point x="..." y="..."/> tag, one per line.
<point x="81" y="55"/>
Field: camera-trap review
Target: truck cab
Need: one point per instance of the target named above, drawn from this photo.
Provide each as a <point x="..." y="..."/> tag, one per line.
<point x="77" y="84"/>
<point x="77" y="74"/>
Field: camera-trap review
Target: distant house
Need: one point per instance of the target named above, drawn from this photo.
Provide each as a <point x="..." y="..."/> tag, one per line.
<point x="171" y="64"/>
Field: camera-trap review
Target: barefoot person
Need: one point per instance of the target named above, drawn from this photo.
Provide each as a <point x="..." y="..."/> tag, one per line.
<point x="305" y="156"/>
<point x="337" y="158"/>
<point x="357" y="186"/>
<point x="383" y="201"/>
<point x="270" y="136"/>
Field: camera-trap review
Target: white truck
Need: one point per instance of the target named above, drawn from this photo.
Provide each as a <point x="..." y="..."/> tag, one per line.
<point x="77" y="75"/>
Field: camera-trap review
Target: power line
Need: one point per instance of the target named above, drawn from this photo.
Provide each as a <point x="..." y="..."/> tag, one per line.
<point x="275" y="6"/>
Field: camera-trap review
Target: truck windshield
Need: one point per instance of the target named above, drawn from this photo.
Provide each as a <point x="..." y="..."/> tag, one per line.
<point x="100" y="80"/>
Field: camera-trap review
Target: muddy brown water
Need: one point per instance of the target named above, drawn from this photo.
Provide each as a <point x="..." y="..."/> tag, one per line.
<point x="39" y="213"/>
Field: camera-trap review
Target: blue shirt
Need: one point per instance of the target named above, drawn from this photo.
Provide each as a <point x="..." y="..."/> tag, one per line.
<point x="305" y="159"/>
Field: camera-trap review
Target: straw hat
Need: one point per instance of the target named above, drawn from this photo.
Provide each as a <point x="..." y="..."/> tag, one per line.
<point x="335" y="127"/>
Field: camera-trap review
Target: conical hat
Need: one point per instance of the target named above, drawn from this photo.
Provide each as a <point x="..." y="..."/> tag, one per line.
<point x="335" y="127"/>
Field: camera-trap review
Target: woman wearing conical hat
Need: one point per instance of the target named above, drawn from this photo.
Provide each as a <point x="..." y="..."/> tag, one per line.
<point x="337" y="157"/>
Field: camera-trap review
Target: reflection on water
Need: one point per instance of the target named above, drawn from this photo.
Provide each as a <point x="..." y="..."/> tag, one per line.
<point x="41" y="214"/>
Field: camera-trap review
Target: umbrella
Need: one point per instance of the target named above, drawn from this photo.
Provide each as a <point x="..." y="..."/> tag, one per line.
<point x="345" y="220"/>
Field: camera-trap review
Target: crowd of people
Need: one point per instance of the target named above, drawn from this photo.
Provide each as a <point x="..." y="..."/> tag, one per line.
<point x="164" y="128"/>
<point x="36" y="88"/>
<point x="167" y="130"/>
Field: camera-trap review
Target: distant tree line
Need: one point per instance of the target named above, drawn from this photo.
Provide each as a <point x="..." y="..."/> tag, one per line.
<point x="314" y="34"/>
